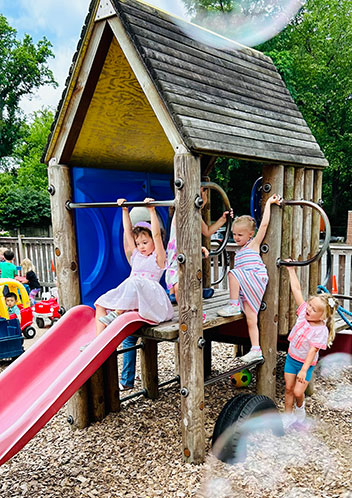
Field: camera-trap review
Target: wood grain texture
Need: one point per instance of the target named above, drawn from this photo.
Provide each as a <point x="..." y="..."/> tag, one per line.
<point x="269" y="318"/>
<point x="188" y="236"/>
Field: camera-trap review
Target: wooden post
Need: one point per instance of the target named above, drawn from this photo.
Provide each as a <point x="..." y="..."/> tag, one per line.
<point x="314" y="279"/>
<point x="111" y="383"/>
<point x="66" y="264"/>
<point x="149" y="367"/>
<point x="307" y="230"/>
<point x="286" y="249"/>
<point x="77" y="408"/>
<point x="297" y="227"/>
<point x="269" y="318"/>
<point x="64" y="236"/>
<point x="206" y="215"/>
<point x="96" y="393"/>
<point x="188" y="236"/>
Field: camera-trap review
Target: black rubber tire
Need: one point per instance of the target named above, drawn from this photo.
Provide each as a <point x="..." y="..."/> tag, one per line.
<point x="29" y="332"/>
<point x="239" y="412"/>
<point x="230" y="412"/>
<point x="40" y="322"/>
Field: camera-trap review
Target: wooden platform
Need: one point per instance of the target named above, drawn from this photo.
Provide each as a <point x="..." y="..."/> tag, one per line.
<point x="168" y="331"/>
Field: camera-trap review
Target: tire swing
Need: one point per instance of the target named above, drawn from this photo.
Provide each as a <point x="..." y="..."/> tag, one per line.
<point x="231" y="448"/>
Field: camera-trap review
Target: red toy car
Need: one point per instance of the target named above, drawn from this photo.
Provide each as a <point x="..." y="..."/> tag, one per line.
<point x="47" y="309"/>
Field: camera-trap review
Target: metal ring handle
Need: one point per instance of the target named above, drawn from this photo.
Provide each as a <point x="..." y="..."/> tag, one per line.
<point x="76" y="205"/>
<point x="227" y="204"/>
<point x="281" y="262"/>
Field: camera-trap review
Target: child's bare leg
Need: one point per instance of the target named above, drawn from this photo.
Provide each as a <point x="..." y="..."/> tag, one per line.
<point x="176" y="291"/>
<point x="234" y="287"/>
<point x="299" y="391"/>
<point x="252" y="323"/>
<point x="100" y="311"/>
<point x="290" y="381"/>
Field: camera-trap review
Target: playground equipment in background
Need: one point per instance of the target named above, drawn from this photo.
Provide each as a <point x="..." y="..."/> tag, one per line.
<point x="23" y="303"/>
<point x="47" y="310"/>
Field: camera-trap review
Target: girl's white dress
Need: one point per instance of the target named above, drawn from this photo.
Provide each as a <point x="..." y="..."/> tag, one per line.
<point x="141" y="291"/>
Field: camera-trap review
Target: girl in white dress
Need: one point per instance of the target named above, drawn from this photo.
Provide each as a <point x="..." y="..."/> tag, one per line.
<point x="141" y="291"/>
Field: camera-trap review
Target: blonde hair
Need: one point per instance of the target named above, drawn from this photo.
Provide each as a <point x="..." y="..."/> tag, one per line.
<point x="27" y="265"/>
<point x="245" y="220"/>
<point x="330" y="304"/>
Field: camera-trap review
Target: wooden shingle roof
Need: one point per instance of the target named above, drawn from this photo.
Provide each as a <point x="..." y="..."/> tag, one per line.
<point x="222" y="101"/>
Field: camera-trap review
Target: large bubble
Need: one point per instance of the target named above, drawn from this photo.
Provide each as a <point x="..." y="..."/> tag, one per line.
<point x="257" y="458"/>
<point x="247" y="22"/>
<point x="336" y="370"/>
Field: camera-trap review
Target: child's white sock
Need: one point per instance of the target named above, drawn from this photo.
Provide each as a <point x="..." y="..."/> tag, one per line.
<point x="235" y="302"/>
<point x="256" y="348"/>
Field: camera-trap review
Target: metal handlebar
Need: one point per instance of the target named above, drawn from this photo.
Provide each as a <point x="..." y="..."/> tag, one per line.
<point x="226" y="201"/>
<point x="75" y="205"/>
<point x="324" y="247"/>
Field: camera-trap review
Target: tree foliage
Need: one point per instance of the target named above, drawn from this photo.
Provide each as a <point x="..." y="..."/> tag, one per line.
<point x="24" y="200"/>
<point x="23" y="69"/>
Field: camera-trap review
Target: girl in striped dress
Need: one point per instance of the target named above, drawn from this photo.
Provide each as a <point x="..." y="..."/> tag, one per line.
<point x="249" y="278"/>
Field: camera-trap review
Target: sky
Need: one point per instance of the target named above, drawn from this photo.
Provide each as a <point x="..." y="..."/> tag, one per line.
<point x="60" y="21"/>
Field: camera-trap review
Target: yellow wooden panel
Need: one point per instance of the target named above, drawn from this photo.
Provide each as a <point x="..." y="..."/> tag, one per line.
<point x="120" y="129"/>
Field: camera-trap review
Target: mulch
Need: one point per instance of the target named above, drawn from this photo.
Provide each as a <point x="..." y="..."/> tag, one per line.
<point x="137" y="452"/>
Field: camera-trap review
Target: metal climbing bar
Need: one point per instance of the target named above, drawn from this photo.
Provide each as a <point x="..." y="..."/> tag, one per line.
<point x="324" y="247"/>
<point x="78" y="205"/>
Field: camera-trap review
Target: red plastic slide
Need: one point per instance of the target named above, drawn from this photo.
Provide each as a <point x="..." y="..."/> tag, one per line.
<point x="35" y="386"/>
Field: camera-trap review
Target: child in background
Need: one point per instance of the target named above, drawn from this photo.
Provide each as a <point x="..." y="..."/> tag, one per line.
<point x="2" y="250"/>
<point x="31" y="279"/>
<point x="12" y="308"/>
<point x="171" y="275"/>
<point x="249" y="278"/>
<point x="314" y="330"/>
<point x="7" y="268"/>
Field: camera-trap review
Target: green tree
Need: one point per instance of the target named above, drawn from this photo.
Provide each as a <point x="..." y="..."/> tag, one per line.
<point x="24" y="200"/>
<point x="313" y="55"/>
<point x="23" y="69"/>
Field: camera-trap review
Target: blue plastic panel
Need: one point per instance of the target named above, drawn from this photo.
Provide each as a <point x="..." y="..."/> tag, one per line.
<point x="102" y="261"/>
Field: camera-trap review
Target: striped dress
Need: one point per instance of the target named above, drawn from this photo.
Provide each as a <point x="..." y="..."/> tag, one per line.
<point x="252" y="276"/>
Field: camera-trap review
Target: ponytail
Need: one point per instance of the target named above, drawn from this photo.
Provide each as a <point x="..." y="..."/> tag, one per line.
<point x="331" y="304"/>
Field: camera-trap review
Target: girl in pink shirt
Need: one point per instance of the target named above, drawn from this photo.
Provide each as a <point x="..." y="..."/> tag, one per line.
<point x="314" y="330"/>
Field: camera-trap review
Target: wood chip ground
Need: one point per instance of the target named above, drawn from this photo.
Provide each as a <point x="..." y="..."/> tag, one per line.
<point x="137" y="452"/>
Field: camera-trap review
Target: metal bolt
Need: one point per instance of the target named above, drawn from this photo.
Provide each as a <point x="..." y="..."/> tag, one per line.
<point x="201" y="342"/>
<point x="51" y="189"/>
<point x="198" y="201"/>
<point x="181" y="258"/>
<point x="70" y="419"/>
<point x="184" y="392"/>
<point x="179" y="183"/>
<point x="263" y="306"/>
<point x="266" y="187"/>
<point x="67" y="205"/>
<point x="264" y="248"/>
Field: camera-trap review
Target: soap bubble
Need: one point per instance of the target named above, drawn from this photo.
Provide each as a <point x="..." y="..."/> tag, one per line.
<point x="247" y="22"/>
<point x="258" y="458"/>
<point x="332" y="366"/>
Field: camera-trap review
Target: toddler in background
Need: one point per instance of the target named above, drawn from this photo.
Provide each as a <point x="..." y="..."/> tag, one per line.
<point x="31" y="279"/>
<point x="7" y="268"/>
<point x="12" y="308"/>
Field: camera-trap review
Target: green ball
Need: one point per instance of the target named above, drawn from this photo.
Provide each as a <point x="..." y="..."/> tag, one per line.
<point x="242" y="378"/>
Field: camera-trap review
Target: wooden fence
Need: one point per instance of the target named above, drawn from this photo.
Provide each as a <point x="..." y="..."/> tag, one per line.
<point x="341" y="268"/>
<point x="39" y="250"/>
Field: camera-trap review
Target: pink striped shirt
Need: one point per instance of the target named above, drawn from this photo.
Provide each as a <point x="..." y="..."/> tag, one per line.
<point x="303" y="336"/>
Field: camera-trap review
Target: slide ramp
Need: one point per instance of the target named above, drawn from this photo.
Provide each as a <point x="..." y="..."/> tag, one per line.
<point x="35" y="386"/>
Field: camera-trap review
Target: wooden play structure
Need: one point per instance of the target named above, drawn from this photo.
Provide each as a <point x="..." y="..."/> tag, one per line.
<point x="146" y="102"/>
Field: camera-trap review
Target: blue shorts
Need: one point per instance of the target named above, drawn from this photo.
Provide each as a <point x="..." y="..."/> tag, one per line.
<point x="293" y="366"/>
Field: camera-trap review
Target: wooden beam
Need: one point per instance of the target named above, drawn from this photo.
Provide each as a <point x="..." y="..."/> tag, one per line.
<point x="188" y="236"/>
<point x="297" y="227"/>
<point x="269" y="318"/>
<point x="66" y="261"/>
<point x="307" y="230"/>
<point x="314" y="277"/>
<point x="149" y="367"/>
<point x="83" y="91"/>
<point x="286" y="249"/>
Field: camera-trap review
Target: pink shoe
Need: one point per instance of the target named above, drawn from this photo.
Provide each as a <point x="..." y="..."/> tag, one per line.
<point x="204" y="317"/>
